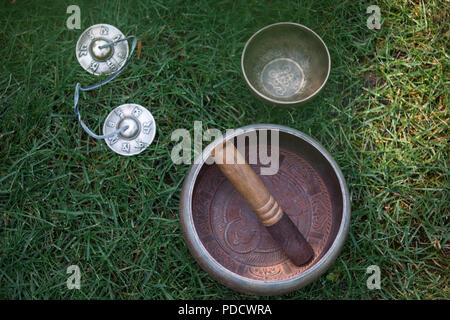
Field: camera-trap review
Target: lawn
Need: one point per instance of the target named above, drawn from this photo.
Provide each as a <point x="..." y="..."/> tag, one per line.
<point x="66" y="198"/>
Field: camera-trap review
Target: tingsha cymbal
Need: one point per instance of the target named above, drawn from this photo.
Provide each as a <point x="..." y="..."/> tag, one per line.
<point x="95" y="52"/>
<point x="139" y="134"/>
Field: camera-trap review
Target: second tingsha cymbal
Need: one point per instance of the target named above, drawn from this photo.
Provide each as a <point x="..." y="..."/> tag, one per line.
<point x="139" y="134"/>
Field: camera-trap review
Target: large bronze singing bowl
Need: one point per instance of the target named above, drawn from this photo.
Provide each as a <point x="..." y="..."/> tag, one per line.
<point x="232" y="245"/>
<point x="285" y="64"/>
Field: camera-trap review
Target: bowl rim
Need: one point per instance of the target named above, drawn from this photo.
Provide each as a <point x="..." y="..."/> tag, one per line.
<point x="234" y="280"/>
<point x="281" y="102"/>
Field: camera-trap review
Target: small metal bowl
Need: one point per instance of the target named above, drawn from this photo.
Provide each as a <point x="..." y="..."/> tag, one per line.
<point x="285" y="64"/>
<point x="229" y="242"/>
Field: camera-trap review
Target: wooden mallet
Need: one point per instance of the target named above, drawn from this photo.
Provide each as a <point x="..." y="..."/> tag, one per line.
<point x="252" y="189"/>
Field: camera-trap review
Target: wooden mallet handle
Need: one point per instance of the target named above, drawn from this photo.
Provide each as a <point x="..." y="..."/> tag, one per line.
<point x="252" y="189"/>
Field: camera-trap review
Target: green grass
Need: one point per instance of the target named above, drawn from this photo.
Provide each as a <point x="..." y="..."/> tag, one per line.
<point x="65" y="198"/>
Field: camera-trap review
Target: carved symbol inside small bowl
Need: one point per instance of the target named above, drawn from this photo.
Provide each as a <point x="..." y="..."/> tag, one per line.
<point x="282" y="77"/>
